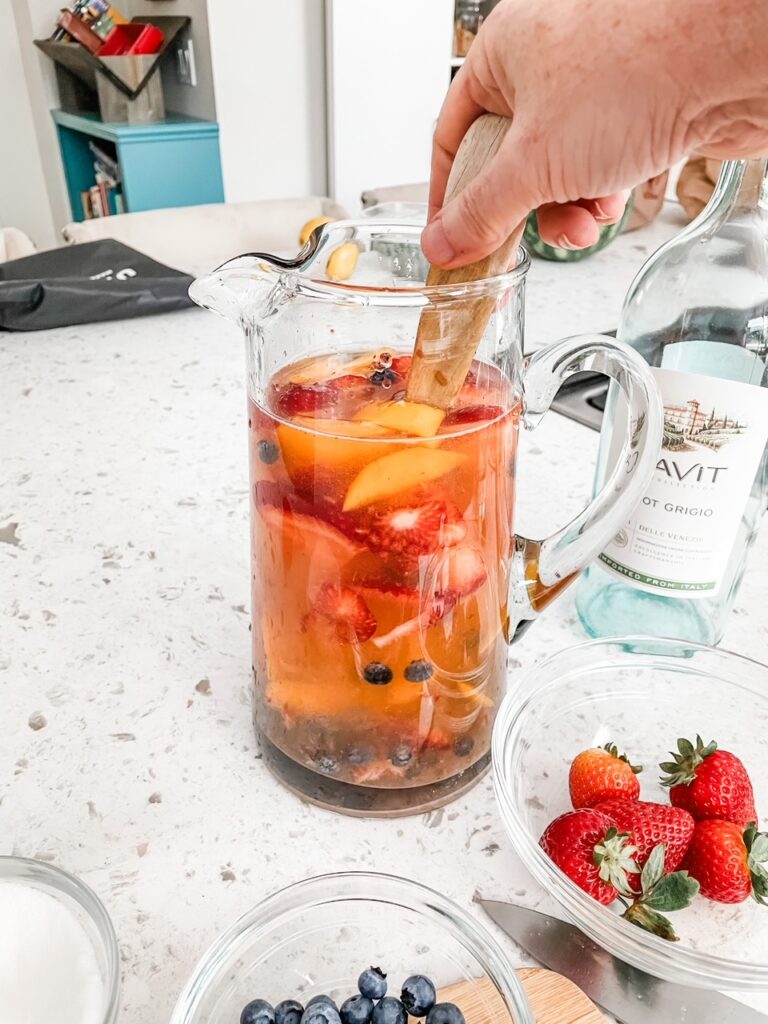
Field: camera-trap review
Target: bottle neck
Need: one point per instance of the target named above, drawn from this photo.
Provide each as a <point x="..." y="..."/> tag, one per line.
<point x="741" y="186"/>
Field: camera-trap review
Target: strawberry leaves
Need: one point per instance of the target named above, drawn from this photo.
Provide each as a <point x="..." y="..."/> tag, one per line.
<point x="661" y="894"/>
<point x="757" y="861"/>
<point x="681" y="771"/>
<point x="613" y="750"/>
<point x="614" y="859"/>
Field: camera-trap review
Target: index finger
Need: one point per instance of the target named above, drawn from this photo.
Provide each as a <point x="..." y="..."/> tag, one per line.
<point x="458" y="112"/>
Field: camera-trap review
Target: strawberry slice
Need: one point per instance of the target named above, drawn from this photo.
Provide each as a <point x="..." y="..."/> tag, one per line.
<point x="417" y="529"/>
<point x="401" y="365"/>
<point x="322" y="396"/>
<point x="304" y="399"/>
<point x="345" y="609"/>
<point x="306" y="524"/>
<point x="348" y="382"/>
<point x="462" y="573"/>
<point x="472" y="414"/>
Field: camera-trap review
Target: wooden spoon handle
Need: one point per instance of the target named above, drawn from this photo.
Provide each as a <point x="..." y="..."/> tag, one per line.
<point x="448" y="334"/>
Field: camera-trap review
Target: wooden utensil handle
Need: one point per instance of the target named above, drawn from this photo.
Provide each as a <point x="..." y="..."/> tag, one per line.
<point x="448" y="336"/>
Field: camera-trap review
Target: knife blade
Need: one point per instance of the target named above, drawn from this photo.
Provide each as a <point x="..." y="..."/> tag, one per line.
<point x="631" y="995"/>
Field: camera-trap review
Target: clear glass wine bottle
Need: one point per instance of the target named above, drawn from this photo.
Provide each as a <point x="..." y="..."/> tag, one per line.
<point x="698" y="312"/>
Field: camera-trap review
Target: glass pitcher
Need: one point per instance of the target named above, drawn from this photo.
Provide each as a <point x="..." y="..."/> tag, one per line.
<point x="387" y="579"/>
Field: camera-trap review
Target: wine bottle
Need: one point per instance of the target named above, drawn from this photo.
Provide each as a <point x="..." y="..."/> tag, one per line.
<point x="698" y="312"/>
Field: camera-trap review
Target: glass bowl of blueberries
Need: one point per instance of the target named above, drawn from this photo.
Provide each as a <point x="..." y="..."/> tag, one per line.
<point x="354" y="948"/>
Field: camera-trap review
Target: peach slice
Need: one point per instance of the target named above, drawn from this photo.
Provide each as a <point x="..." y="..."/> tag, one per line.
<point x="303" y="450"/>
<point x="413" y="418"/>
<point x="399" y="471"/>
<point x="342" y="428"/>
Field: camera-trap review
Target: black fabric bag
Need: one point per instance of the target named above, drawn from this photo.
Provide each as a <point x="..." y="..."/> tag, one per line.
<point x="82" y="284"/>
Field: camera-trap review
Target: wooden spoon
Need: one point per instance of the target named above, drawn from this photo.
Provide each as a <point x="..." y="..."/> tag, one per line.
<point x="553" y="998"/>
<point x="448" y="335"/>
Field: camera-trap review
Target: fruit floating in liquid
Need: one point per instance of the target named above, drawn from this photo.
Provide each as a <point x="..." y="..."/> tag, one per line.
<point x="381" y="534"/>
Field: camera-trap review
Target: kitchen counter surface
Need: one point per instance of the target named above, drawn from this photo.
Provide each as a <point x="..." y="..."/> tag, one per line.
<point x="127" y="750"/>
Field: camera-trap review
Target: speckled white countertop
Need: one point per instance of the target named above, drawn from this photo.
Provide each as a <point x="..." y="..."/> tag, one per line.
<point x="127" y="750"/>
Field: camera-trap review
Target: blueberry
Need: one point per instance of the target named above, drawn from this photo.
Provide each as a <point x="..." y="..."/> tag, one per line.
<point x="356" y="1010"/>
<point x="384" y="377"/>
<point x="401" y="756"/>
<point x="321" y="1010"/>
<point x="445" y="1013"/>
<point x="258" y="1011"/>
<point x="329" y="766"/>
<point x="360" y="755"/>
<point x="389" y="1011"/>
<point x="288" y="1012"/>
<point x="418" y="671"/>
<point x="418" y="995"/>
<point x="373" y="983"/>
<point x="268" y="452"/>
<point x="464" y="746"/>
<point x="378" y="674"/>
<point x="322" y="1000"/>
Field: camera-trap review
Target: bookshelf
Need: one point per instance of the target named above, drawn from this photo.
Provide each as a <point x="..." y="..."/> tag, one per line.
<point x="168" y="163"/>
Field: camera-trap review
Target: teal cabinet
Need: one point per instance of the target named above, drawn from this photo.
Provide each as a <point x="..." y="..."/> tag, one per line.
<point x="171" y="163"/>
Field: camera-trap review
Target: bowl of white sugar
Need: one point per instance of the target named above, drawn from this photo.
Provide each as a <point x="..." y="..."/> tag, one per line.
<point x="59" y="959"/>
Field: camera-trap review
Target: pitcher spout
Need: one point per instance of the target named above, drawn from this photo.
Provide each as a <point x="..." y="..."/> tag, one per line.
<point x="241" y="290"/>
<point x="249" y="287"/>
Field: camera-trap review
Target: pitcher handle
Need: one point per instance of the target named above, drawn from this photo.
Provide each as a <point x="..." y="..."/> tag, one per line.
<point x="542" y="569"/>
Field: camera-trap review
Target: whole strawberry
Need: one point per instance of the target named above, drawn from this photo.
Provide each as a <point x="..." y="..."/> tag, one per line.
<point x="650" y="824"/>
<point x="590" y="850"/>
<point x="729" y="862"/>
<point x="709" y="783"/>
<point x="601" y="773"/>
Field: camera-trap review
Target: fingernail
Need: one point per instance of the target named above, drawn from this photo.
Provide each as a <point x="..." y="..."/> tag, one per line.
<point x="564" y="242"/>
<point x="600" y="214"/>
<point x="435" y="244"/>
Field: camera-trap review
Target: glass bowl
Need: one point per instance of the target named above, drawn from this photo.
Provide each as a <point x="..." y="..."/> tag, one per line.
<point x="642" y="695"/>
<point x="86" y="907"/>
<point x="318" y="935"/>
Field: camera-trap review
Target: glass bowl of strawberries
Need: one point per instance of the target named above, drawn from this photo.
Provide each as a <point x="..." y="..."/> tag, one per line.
<point x="632" y="779"/>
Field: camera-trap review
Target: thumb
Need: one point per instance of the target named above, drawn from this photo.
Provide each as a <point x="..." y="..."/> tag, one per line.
<point x="486" y="212"/>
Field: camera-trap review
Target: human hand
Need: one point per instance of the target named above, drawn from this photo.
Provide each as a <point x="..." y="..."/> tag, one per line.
<point x="601" y="97"/>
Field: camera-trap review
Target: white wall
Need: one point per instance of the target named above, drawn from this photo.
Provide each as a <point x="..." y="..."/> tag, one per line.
<point x="389" y="69"/>
<point x="32" y="191"/>
<point x="269" y="83"/>
<point x="194" y="101"/>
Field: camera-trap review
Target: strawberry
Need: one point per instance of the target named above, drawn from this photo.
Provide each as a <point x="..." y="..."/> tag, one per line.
<point x="306" y="399"/>
<point x="417" y="530"/>
<point x="590" y="850"/>
<point x="601" y="773"/>
<point x="729" y="862"/>
<point x="345" y="609"/>
<point x="709" y="783"/>
<point x="650" y="824"/>
<point x="462" y="572"/>
<point x="588" y="847"/>
<point x="472" y="414"/>
<point x="401" y="365"/>
<point x="267" y="492"/>
<point x="349" y="382"/>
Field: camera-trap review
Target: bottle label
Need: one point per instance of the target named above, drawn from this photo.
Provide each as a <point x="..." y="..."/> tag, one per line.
<point x="679" y="539"/>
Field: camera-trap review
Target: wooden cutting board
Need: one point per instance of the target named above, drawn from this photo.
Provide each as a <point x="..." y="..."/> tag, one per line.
<point x="554" y="999"/>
